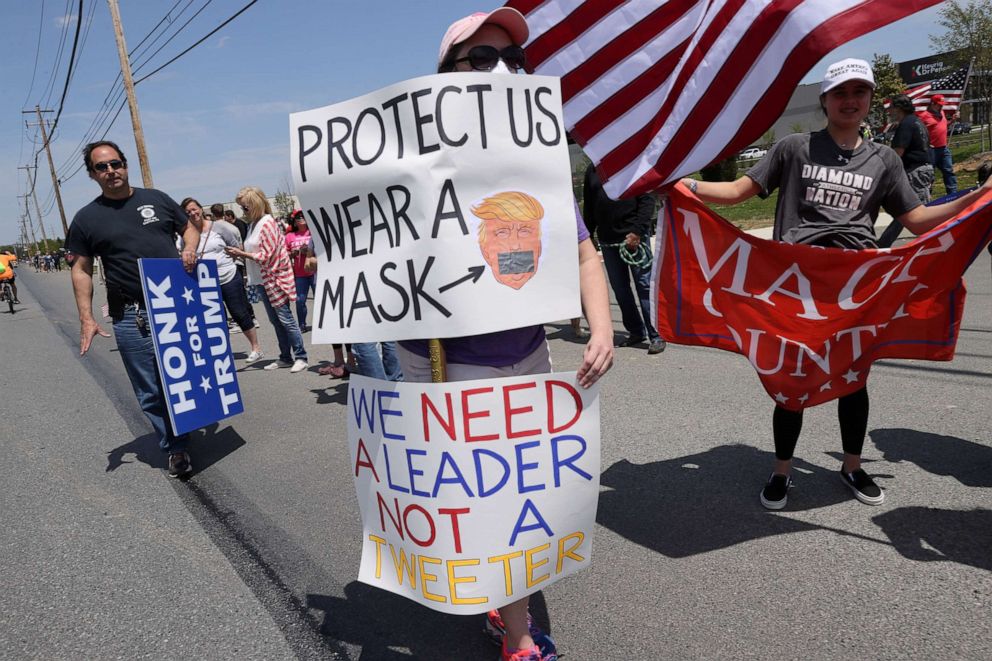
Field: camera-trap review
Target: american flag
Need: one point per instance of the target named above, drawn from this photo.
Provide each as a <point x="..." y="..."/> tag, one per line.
<point x="655" y="90"/>
<point x="952" y="87"/>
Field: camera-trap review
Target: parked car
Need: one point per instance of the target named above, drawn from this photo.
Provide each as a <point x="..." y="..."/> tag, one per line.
<point x="960" y="127"/>
<point x="752" y="153"/>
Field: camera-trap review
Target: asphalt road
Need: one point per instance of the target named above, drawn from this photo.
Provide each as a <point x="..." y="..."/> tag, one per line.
<point x="256" y="556"/>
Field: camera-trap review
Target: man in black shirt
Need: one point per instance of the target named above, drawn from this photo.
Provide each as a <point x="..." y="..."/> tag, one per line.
<point x="121" y="226"/>
<point x="912" y="142"/>
<point x="624" y="230"/>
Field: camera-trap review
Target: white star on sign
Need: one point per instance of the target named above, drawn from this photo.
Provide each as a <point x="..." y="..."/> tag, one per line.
<point x="851" y="376"/>
<point x="781" y="399"/>
<point x="188" y="295"/>
<point x="205" y="384"/>
<point x="802" y="400"/>
<point x="825" y="386"/>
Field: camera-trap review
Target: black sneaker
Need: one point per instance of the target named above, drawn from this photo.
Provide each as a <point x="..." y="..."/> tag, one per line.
<point x="179" y="464"/>
<point x="632" y="342"/>
<point x="657" y="345"/>
<point x="863" y="486"/>
<point x="776" y="492"/>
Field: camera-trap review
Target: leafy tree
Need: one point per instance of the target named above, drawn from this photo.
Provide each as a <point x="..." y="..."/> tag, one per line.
<point x="284" y="203"/>
<point x="968" y="28"/>
<point x="888" y="83"/>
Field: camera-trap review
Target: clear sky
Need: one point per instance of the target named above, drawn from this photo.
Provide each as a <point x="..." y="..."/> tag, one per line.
<point x="217" y="119"/>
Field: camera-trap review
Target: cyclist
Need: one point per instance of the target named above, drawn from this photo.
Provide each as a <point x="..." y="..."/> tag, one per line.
<point x="7" y="262"/>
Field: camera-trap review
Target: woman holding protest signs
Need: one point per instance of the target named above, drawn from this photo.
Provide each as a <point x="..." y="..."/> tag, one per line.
<point x="492" y="42"/>
<point x="831" y="184"/>
<point x="271" y="274"/>
<point x="215" y="238"/>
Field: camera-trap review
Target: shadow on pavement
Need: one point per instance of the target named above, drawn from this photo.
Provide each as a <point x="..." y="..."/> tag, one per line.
<point x="389" y="627"/>
<point x="335" y="393"/>
<point x="968" y="462"/>
<point x="927" y="534"/>
<point x="207" y="447"/>
<point x="708" y="501"/>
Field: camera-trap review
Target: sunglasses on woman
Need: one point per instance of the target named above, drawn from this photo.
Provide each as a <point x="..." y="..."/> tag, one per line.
<point x="109" y="165"/>
<point x="484" y="58"/>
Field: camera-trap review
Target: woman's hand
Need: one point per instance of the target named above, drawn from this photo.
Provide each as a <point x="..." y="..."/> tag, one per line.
<point x="597" y="359"/>
<point x="237" y="252"/>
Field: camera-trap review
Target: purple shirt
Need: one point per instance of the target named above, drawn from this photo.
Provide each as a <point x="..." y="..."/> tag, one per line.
<point x="497" y="349"/>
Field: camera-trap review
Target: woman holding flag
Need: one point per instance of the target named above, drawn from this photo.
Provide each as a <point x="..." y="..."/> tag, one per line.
<point x="813" y="209"/>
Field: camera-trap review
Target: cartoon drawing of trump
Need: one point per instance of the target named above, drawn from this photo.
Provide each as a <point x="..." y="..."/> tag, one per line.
<point x="510" y="236"/>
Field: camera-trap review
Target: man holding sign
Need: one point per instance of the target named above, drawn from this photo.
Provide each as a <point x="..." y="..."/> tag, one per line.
<point x="121" y="226"/>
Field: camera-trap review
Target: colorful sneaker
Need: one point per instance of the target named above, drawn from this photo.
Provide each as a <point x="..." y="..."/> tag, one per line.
<point x="496" y="630"/>
<point x="776" y="492"/>
<point x="863" y="486"/>
<point x="529" y="654"/>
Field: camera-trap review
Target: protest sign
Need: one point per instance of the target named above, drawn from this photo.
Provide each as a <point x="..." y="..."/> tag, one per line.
<point x="440" y="207"/>
<point x="474" y="494"/>
<point x="189" y="328"/>
<point x="811" y="320"/>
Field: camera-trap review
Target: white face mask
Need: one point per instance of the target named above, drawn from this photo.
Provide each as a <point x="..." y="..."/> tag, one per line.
<point x="501" y="68"/>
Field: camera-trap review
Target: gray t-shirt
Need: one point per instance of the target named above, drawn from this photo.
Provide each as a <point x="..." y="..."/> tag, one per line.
<point x="830" y="196"/>
<point x="212" y="244"/>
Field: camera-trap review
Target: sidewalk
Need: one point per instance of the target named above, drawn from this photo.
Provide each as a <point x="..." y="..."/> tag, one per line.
<point x="99" y="556"/>
<point x="884" y="220"/>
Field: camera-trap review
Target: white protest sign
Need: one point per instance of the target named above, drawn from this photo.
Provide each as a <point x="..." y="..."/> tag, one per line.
<point x="474" y="494"/>
<point x="441" y="206"/>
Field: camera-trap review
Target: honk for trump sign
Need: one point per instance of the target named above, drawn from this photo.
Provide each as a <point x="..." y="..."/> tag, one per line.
<point x="812" y="320"/>
<point x="440" y="207"/>
<point x="476" y="493"/>
<point x="189" y="330"/>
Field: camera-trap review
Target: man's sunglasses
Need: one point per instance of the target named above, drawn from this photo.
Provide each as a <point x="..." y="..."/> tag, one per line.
<point x="484" y="58"/>
<point x="109" y="165"/>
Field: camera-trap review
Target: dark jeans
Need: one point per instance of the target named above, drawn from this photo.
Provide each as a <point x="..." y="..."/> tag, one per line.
<point x="304" y="283"/>
<point x="237" y="303"/>
<point x="138" y="354"/>
<point x="620" y="273"/>
<point x="942" y="162"/>
<point x="287" y="332"/>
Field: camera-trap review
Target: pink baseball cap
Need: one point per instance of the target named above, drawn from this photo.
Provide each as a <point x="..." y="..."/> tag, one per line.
<point x="507" y="18"/>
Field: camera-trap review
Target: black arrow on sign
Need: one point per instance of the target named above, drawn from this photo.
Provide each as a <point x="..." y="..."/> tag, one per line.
<point x="474" y="272"/>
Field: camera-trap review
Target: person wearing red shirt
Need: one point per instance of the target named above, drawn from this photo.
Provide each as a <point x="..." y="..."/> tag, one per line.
<point x="936" y="123"/>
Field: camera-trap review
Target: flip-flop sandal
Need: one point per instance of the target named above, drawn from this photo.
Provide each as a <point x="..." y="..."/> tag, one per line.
<point x="336" y="370"/>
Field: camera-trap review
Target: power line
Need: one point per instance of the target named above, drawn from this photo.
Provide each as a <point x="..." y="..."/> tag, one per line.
<point x="134" y="54"/>
<point x="162" y="20"/>
<point x="68" y="75"/>
<point x="202" y="39"/>
<point x="37" y="52"/>
<point x="50" y="86"/>
<point x="140" y="65"/>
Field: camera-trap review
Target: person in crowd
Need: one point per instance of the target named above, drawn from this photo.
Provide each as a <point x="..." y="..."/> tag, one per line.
<point x="117" y="227"/>
<point x="242" y="226"/>
<point x="803" y="216"/>
<point x="493" y="42"/>
<point x="7" y="262"/>
<point x="215" y="237"/>
<point x="271" y="274"/>
<point x="936" y="122"/>
<point x="912" y="143"/>
<point x="624" y="231"/>
<point x="296" y="243"/>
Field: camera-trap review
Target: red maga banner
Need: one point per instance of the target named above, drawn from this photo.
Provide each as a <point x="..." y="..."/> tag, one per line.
<point x="811" y="320"/>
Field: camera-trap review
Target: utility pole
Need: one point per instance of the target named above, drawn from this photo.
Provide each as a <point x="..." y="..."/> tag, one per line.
<point x="27" y="216"/>
<point x="37" y="207"/>
<point x="51" y="166"/>
<point x="132" y="101"/>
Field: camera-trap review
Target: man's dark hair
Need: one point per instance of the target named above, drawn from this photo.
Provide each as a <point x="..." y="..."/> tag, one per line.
<point x="903" y="103"/>
<point x="217" y="210"/>
<point x="229" y="213"/>
<point x="88" y="152"/>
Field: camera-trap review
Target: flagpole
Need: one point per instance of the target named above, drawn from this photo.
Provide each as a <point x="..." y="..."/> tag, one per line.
<point x="439" y="367"/>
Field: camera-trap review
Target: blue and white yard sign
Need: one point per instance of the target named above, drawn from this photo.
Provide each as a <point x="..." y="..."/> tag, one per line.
<point x="189" y="327"/>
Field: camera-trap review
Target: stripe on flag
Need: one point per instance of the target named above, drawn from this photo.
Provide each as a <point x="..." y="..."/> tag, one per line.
<point x="951" y="87"/>
<point x="654" y="90"/>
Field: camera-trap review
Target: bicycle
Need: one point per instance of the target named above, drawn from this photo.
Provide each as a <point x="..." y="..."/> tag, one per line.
<point x="7" y="294"/>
